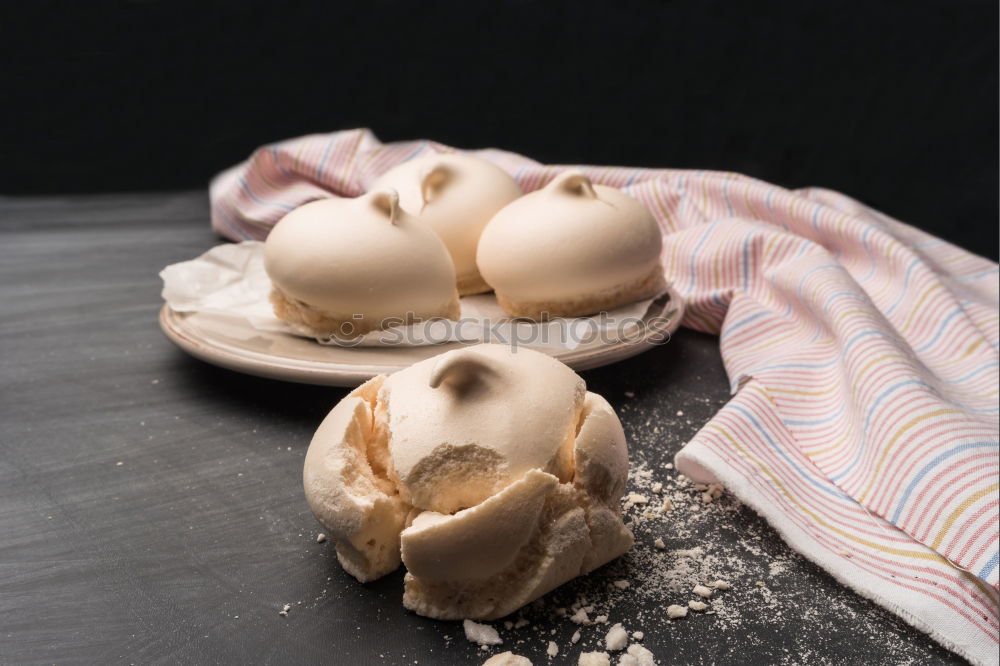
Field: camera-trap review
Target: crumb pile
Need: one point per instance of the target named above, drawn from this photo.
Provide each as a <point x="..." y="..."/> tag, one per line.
<point x="702" y="565"/>
<point x="664" y="575"/>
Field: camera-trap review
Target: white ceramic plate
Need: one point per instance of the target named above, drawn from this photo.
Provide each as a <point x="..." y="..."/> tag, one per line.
<point x="230" y="342"/>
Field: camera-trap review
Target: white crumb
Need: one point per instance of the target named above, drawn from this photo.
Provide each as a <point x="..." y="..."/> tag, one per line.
<point x="580" y="617"/>
<point x="657" y="488"/>
<point x="638" y="635"/>
<point x="674" y="611"/>
<point x="594" y="659"/>
<point x="697" y="605"/>
<point x="320" y="538"/>
<point x="506" y="659"/>
<point x="667" y="504"/>
<point x="616" y="638"/>
<point x="284" y="610"/>
<point x="712" y="492"/>
<point x="621" y="584"/>
<point x="658" y="544"/>
<point x="575" y="638"/>
<point x="601" y="619"/>
<point x="483" y="634"/>
<point x="629" y="394"/>
<point x="702" y="591"/>
<point x="720" y="585"/>
<point x="552" y="650"/>
<point x="637" y="656"/>
<point x="634" y="498"/>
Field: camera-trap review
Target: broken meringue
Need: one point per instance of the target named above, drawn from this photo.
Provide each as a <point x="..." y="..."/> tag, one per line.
<point x="492" y="474"/>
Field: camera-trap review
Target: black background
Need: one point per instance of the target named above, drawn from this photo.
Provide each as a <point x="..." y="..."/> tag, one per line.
<point x="894" y="103"/>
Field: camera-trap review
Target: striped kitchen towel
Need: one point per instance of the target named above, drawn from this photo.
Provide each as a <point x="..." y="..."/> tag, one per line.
<point x="863" y="357"/>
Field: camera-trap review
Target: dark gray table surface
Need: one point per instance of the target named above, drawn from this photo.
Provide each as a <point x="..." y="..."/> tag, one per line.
<point x="151" y="507"/>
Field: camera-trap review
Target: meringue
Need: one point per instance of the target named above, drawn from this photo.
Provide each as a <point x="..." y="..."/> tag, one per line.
<point x="571" y="248"/>
<point x="455" y="195"/>
<point x="492" y="474"/>
<point x="507" y="659"/>
<point x="349" y="266"/>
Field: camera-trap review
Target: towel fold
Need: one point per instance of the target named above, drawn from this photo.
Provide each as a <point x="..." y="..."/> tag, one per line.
<point x="862" y="352"/>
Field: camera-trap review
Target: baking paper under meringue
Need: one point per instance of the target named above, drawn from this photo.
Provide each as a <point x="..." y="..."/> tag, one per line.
<point x="230" y="280"/>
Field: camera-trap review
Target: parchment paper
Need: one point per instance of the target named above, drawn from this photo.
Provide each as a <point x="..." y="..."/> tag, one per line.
<point x="230" y="280"/>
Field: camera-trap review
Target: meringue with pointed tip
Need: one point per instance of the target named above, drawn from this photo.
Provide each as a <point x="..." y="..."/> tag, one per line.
<point x="493" y="475"/>
<point x="349" y="266"/>
<point x="571" y="248"/>
<point x="455" y="195"/>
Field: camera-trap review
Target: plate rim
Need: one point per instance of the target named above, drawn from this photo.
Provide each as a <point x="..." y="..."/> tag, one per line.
<point x="338" y="373"/>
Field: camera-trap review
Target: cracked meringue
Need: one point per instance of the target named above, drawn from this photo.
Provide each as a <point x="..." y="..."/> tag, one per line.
<point x="455" y="195"/>
<point x="492" y="474"/>
<point x="349" y="266"/>
<point x="571" y="248"/>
